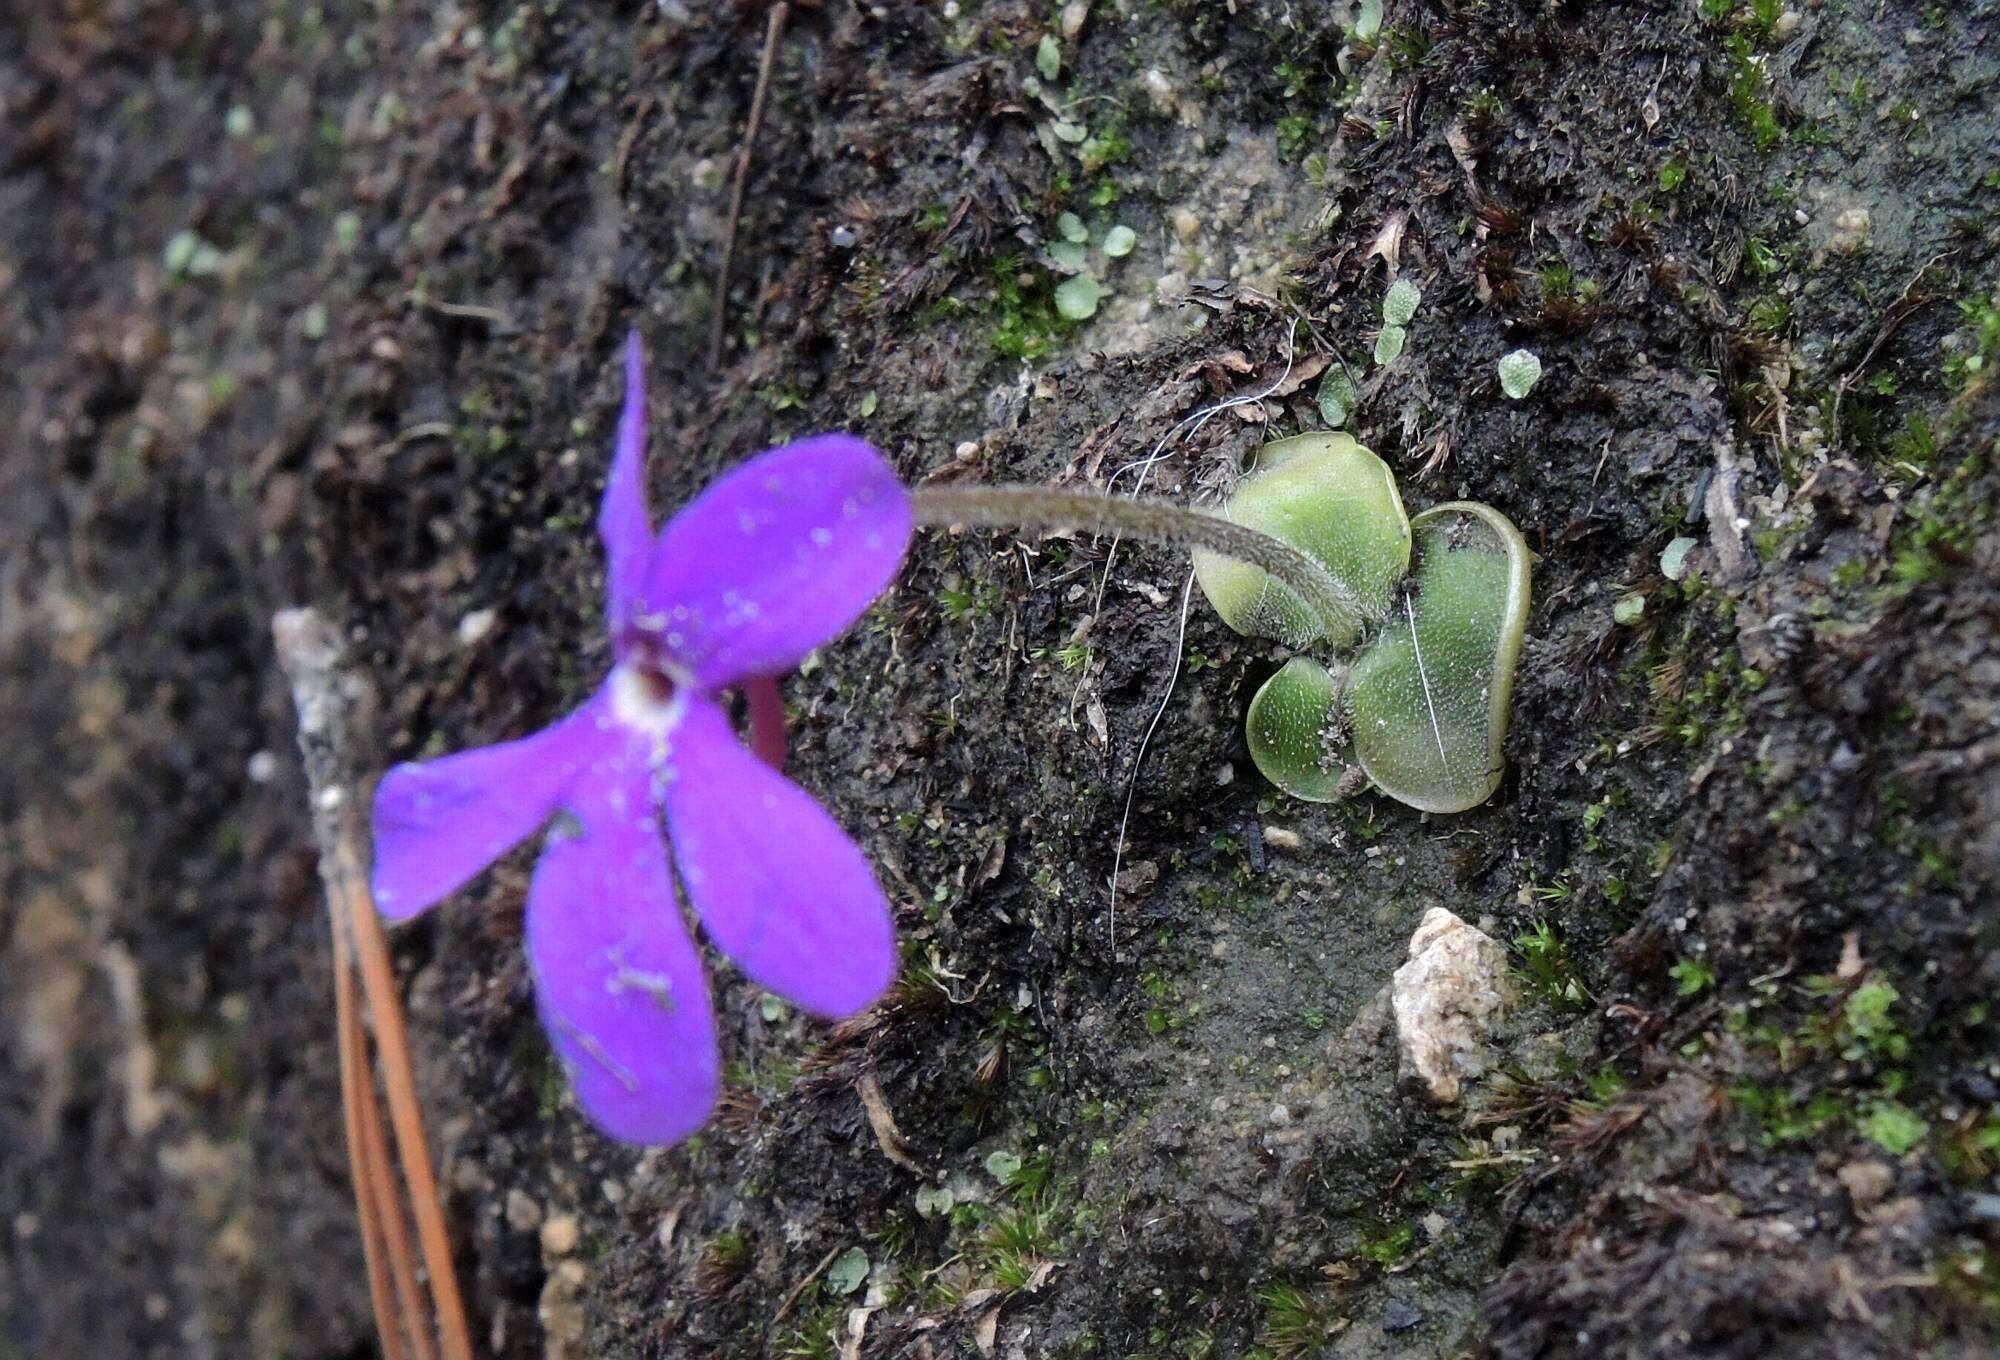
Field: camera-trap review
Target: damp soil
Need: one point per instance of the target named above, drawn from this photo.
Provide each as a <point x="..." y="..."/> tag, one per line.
<point x="318" y="303"/>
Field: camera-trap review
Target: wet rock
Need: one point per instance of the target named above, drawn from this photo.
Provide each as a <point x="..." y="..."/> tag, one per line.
<point x="1398" y="1316"/>
<point x="1446" y="999"/>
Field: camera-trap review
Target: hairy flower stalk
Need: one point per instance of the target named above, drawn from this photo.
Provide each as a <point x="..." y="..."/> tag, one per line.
<point x="1013" y="505"/>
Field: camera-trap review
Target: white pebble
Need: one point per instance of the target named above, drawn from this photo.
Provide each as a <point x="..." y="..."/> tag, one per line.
<point x="560" y="1235"/>
<point x="476" y="625"/>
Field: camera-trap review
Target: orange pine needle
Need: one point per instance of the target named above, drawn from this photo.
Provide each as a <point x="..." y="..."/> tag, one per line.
<point x="310" y="652"/>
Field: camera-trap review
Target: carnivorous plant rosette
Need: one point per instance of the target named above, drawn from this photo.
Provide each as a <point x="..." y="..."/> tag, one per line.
<point x="771" y="561"/>
<point x="1432" y="607"/>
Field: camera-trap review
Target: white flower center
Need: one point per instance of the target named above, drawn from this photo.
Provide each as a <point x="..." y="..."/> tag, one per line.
<point x="650" y="702"/>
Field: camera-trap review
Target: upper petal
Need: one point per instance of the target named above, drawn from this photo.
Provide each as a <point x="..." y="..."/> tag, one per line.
<point x="780" y="888"/>
<point x="440" y="822"/>
<point x="776" y="558"/>
<point x="617" y="980"/>
<point x="622" y="520"/>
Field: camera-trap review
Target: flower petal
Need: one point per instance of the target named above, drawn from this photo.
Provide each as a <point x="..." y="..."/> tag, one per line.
<point x="622" y="520"/>
<point x="780" y="888"/>
<point x="617" y="980"/>
<point x="775" y="558"/>
<point x="440" y="822"/>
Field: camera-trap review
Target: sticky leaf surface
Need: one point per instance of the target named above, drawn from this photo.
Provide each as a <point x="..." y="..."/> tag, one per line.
<point x="1295" y="731"/>
<point x="1429" y="697"/>
<point x="1330" y="498"/>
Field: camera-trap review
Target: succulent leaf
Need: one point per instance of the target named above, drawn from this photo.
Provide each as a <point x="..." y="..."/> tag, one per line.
<point x="1328" y="497"/>
<point x="1295" y="731"/>
<point x="1429" y="697"/>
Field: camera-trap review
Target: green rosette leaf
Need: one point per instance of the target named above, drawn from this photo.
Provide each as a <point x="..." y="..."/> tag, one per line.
<point x="1328" y="497"/>
<point x="1429" y="697"/>
<point x="1295" y="731"/>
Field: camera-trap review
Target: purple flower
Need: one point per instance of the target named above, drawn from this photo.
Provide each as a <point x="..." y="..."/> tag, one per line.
<point x="771" y="561"/>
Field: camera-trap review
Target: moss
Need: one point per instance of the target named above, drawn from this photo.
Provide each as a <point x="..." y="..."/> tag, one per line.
<point x="1296" y="1321"/>
<point x="1783" y="1116"/>
<point x="814" y="1336"/>
<point x="1692" y="977"/>
<point x="1934" y="539"/>
<point x="1892" y="1126"/>
<point x="1391" y="1245"/>
<point x="1542" y="964"/>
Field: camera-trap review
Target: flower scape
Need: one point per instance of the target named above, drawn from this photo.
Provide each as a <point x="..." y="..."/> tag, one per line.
<point x="773" y="560"/>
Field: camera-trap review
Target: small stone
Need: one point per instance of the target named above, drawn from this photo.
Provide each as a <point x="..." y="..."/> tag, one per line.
<point x="1281" y="1115"/>
<point x="475" y="626"/>
<point x="843" y="237"/>
<point x="561" y="1311"/>
<point x="1158" y="89"/>
<point x="198" y="1072"/>
<point x="1074" y="14"/>
<point x="1851" y="228"/>
<point x="523" y="1214"/>
<point x="1187" y="226"/>
<point x="560" y="1234"/>
<point x="262" y="769"/>
<point x="1867" y="1182"/>
<point x="967" y="449"/>
<point x="1137" y="879"/>
<point x="1446" y="999"/>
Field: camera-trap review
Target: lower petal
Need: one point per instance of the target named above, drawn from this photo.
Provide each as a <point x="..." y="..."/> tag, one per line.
<point x="779" y="886"/>
<point x="617" y="980"/>
<point x="440" y="822"/>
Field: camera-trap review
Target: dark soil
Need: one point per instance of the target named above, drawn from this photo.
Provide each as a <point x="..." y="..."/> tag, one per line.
<point x="319" y="303"/>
